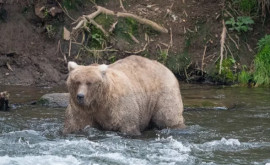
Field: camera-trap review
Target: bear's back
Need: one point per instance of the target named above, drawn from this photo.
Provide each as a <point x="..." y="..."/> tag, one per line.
<point x="145" y="71"/>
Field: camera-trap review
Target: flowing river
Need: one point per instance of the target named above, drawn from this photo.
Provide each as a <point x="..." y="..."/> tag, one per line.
<point x="239" y="134"/>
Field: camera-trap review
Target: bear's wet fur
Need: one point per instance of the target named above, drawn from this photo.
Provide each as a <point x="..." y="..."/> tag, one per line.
<point x="125" y="96"/>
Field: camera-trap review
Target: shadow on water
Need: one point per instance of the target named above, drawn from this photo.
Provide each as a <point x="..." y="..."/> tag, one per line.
<point x="237" y="135"/>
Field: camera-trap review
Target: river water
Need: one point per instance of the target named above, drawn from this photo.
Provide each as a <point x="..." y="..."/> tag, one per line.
<point x="30" y="134"/>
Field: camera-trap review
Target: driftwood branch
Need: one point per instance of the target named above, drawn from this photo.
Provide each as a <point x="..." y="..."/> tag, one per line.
<point x="103" y="10"/>
<point x="81" y="26"/>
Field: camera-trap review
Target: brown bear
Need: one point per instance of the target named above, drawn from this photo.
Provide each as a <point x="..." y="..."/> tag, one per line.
<point x="127" y="96"/>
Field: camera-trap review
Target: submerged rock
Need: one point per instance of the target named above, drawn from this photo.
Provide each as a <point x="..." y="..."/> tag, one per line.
<point x="55" y="100"/>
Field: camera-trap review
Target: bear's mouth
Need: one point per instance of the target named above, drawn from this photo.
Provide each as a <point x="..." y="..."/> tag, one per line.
<point x="81" y="102"/>
<point x="80" y="99"/>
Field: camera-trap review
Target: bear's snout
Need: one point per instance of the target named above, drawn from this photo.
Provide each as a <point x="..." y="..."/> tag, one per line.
<point x="80" y="98"/>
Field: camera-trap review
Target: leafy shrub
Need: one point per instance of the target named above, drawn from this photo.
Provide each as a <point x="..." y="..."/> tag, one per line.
<point x="248" y="5"/>
<point x="227" y="74"/>
<point x="244" y="77"/>
<point x="262" y="62"/>
<point x="241" y="24"/>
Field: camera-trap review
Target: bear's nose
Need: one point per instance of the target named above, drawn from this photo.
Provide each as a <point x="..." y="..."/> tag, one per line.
<point x="80" y="97"/>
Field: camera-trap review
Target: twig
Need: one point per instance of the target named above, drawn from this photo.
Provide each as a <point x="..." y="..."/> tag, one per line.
<point x="249" y="48"/>
<point x="227" y="47"/>
<point x="122" y="6"/>
<point x="191" y="31"/>
<point x="205" y="47"/>
<point x="69" y="49"/>
<point x="65" y="11"/>
<point x="9" y="67"/>
<point x="233" y="41"/>
<point x="99" y="27"/>
<point x="113" y="26"/>
<point x="139" y="51"/>
<point x="185" y="13"/>
<point x="235" y="66"/>
<point x="78" y="54"/>
<point x="171" y="41"/>
<point x="162" y="43"/>
<point x="187" y="78"/>
<point x="229" y="14"/>
<point x="226" y="53"/>
<point x="103" y="50"/>
<point x="134" y="38"/>
<point x="222" y="42"/>
<point x="59" y="49"/>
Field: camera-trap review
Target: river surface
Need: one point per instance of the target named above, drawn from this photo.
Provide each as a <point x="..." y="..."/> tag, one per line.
<point x="31" y="135"/>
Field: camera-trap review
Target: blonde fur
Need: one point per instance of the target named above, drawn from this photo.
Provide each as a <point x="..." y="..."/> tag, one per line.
<point x="126" y="96"/>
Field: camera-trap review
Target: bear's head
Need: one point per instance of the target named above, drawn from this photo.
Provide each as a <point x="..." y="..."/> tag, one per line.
<point x="85" y="83"/>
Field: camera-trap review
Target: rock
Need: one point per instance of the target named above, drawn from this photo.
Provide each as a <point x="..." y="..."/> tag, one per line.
<point x="56" y="100"/>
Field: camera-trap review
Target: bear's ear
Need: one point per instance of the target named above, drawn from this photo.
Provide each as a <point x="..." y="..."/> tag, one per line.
<point x="72" y="65"/>
<point x="103" y="68"/>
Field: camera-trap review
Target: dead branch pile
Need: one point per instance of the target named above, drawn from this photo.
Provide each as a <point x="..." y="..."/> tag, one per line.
<point x="82" y="25"/>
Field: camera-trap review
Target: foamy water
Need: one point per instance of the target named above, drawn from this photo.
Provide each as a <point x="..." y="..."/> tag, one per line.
<point x="31" y="135"/>
<point x="32" y="147"/>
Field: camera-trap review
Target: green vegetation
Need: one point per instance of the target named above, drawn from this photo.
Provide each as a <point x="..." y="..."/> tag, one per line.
<point x="50" y="30"/>
<point x="244" y="77"/>
<point x="105" y="20"/>
<point x="72" y="4"/>
<point x="97" y="38"/>
<point x="178" y="63"/>
<point x="247" y="6"/>
<point x="262" y="62"/>
<point x="163" y="56"/>
<point x="241" y="24"/>
<point x="125" y="27"/>
<point x="227" y="71"/>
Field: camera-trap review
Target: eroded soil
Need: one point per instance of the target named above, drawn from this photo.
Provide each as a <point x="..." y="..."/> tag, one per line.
<point x="29" y="57"/>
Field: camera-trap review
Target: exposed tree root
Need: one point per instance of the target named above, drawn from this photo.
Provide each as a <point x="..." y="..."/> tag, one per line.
<point x="203" y="57"/>
<point x="222" y="45"/>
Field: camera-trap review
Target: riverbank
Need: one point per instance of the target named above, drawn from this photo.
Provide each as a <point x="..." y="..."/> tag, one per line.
<point x="34" y="51"/>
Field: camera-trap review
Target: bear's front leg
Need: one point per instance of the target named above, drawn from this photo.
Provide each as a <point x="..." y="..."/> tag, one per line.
<point x="129" y="124"/>
<point x="76" y="120"/>
<point x="131" y="130"/>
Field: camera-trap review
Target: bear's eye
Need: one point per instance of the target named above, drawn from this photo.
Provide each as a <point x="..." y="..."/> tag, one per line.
<point x="88" y="83"/>
<point x="77" y="82"/>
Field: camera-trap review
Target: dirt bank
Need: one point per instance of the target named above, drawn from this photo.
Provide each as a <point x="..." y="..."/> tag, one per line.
<point x="30" y="55"/>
